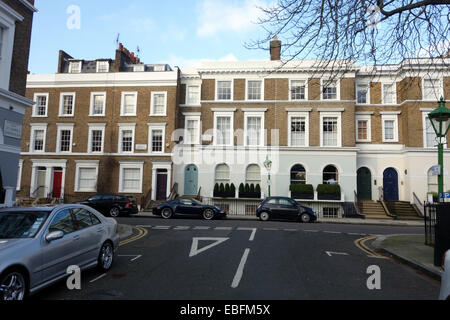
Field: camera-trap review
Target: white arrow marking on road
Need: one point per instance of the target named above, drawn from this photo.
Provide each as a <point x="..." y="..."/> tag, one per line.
<point x="135" y="257"/>
<point x="194" y="248"/>
<point x="329" y="253"/>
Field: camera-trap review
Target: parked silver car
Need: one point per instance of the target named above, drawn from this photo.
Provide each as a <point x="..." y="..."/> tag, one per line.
<point x="37" y="245"/>
<point x="445" y="281"/>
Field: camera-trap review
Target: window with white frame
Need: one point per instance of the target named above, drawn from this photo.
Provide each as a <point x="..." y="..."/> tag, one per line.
<point x="102" y="66"/>
<point x="224" y="90"/>
<point x="389" y="93"/>
<point x="298" y="89"/>
<point x="193" y="95"/>
<point x="192" y="131"/>
<point x="38" y="137"/>
<point x="298" y="130"/>
<point x="298" y="174"/>
<point x="432" y="89"/>
<point x="96" y="138"/>
<point x="86" y="176"/>
<point x="67" y="105"/>
<point x="75" y="66"/>
<point x="254" y="90"/>
<point x="390" y="128"/>
<point x="131" y="177"/>
<point x="40" y="108"/>
<point x="254" y="129"/>
<point x="362" y="93"/>
<point x="158" y="104"/>
<point x="98" y="104"/>
<point x="253" y="174"/>
<point x="363" y="128"/>
<point x="331" y="130"/>
<point x="223" y="129"/>
<point x="222" y="174"/>
<point x="329" y="89"/>
<point x="2" y="34"/>
<point x="65" y="138"/>
<point x="430" y="138"/>
<point x="330" y="175"/>
<point x="126" y="138"/>
<point x="129" y="104"/>
<point x="157" y="143"/>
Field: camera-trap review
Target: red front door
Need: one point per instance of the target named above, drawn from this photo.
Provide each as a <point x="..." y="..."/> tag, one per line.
<point x="57" y="182"/>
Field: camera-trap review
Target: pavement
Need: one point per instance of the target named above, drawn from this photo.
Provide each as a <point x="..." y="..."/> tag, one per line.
<point x="409" y="249"/>
<point x="320" y="220"/>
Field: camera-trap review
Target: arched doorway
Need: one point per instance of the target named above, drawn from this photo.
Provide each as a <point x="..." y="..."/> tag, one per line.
<point x="191" y="180"/>
<point x="364" y="184"/>
<point x="390" y="185"/>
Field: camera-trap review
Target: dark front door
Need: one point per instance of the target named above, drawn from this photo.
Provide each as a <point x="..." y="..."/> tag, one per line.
<point x="161" y="185"/>
<point x="57" y="183"/>
<point x="390" y="185"/>
<point x="364" y="184"/>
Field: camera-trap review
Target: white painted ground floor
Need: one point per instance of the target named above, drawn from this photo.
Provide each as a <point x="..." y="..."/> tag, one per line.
<point x="372" y="172"/>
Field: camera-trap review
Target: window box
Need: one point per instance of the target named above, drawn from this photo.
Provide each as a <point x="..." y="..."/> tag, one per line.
<point x="302" y="191"/>
<point x="329" y="192"/>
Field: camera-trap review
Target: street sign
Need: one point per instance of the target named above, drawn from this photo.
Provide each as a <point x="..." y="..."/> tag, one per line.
<point x="436" y="170"/>
<point x="444" y="195"/>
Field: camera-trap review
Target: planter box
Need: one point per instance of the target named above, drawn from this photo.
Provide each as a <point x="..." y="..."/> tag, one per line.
<point x="224" y="195"/>
<point x="249" y="195"/>
<point x="304" y="196"/>
<point x="329" y="197"/>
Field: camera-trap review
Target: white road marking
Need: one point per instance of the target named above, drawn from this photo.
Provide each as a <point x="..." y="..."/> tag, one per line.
<point x="182" y="228"/>
<point x="357" y="234"/>
<point x="147" y="227"/>
<point x="194" y="248"/>
<point x="253" y="230"/>
<point x="162" y="227"/>
<point x="270" y="229"/>
<point x="98" y="278"/>
<point x="311" y="230"/>
<point x="240" y="270"/>
<point x="201" y="228"/>
<point x="333" y="232"/>
<point x="135" y="257"/>
<point x="329" y="253"/>
<point x="291" y="230"/>
<point x="224" y="228"/>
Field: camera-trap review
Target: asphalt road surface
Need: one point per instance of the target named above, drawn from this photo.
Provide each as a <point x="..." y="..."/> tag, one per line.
<point x="192" y="259"/>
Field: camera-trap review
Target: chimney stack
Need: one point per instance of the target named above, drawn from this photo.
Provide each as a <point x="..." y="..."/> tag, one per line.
<point x="275" y="49"/>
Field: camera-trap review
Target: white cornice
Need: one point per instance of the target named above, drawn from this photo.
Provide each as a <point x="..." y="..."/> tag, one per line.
<point x="29" y="5"/>
<point x="14" y="97"/>
<point x="11" y="12"/>
<point x="299" y="109"/>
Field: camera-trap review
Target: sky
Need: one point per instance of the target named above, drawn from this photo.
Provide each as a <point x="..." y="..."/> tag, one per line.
<point x="180" y="33"/>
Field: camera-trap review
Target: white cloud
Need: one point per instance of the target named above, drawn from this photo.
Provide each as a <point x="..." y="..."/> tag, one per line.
<point x="192" y="63"/>
<point x="218" y="16"/>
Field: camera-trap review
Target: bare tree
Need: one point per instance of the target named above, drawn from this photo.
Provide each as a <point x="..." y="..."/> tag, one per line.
<point x="368" y="32"/>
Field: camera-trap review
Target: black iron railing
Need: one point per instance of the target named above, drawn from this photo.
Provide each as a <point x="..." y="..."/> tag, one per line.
<point x="430" y="223"/>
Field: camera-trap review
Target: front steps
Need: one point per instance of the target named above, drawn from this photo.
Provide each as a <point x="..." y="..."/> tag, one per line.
<point x="374" y="210"/>
<point x="403" y="210"/>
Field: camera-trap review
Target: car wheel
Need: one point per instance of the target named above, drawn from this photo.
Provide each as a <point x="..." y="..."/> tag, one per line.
<point x="264" y="216"/>
<point x="13" y="286"/>
<point x="208" y="214"/>
<point x="114" y="212"/>
<point x="106" y="257"/>
<point x="166" y="213"/>
<point x="305" y="218"/>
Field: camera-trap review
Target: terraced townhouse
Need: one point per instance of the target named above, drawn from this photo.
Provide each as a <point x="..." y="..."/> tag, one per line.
<point x="144" y="130"/>
<point x="16" y="17"/>
<point x="100" y="126"/>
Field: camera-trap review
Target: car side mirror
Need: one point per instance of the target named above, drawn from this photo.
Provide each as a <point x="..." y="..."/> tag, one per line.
<point x="53" y="236"/>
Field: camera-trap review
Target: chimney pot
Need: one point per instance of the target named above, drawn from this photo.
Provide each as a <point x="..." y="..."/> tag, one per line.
<point x="275" y="49"/>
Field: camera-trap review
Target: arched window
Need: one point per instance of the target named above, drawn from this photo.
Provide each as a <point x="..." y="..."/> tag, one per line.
<point x="330" y="175"/>
<point x="298" y="174"/>
<point x="222" y="174"/>
<point x="253" y="174"/>
<point x="433" y="185"/>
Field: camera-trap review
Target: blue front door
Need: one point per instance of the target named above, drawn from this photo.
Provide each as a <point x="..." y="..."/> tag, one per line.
<point x="390" y="185"/>
<point x="191" y="180"/>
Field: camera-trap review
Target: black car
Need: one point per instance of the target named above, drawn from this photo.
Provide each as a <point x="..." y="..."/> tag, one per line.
<point x="188" y="207"/>
<point x="111" y="204"/>
<point x="284" y="209"/>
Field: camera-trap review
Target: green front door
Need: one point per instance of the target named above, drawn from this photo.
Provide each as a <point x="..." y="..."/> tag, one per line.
<point x="191" y="180"/>
<point x="364" y="184"/>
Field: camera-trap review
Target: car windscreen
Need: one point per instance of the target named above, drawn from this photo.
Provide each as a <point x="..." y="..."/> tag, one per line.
<point x="197" y="202"/>
<point x="21" y="224"/>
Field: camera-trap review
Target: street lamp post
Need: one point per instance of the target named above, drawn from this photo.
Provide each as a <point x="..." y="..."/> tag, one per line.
<point x="440" y="120"/>
<point x="268" y="165"/>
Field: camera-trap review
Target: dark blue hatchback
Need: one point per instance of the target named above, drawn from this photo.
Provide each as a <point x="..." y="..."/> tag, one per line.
<point x="284" y="209"/>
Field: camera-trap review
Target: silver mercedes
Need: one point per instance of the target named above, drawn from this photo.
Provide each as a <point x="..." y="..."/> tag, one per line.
<point x="38" y="245"/>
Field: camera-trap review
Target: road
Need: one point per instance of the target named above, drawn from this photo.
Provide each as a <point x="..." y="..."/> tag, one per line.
<point x="191" y="259"/>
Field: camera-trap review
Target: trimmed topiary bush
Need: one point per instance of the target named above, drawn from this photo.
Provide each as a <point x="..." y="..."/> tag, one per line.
<point x="329" y="191"/>
<point x="302" y="191"/>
